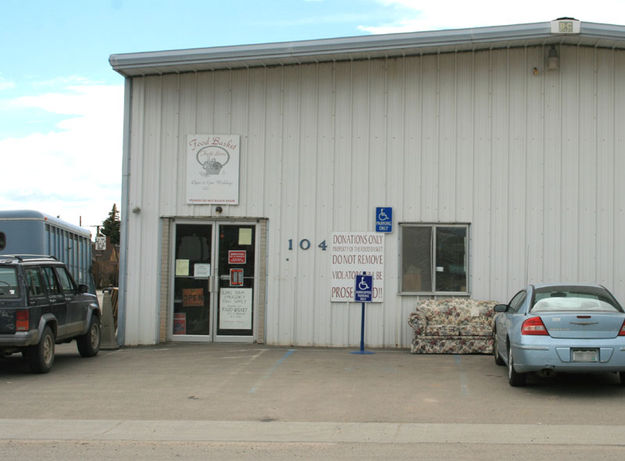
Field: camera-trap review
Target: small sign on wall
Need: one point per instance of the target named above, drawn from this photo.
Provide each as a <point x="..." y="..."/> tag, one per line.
<point x="384" y="219"/>
<point x="213" y="169"/>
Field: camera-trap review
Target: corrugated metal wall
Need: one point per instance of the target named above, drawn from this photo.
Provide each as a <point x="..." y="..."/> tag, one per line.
<point x="531" y="158"/>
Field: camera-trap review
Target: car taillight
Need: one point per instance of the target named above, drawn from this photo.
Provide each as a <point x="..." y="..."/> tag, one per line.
<point x="21" y="320"/>
<point x="622" y="330"/>
<point x="534" y="326"/>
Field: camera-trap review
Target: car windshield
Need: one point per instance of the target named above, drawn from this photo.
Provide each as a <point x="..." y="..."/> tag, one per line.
<point x="8" y="283"/>
<point x="574" y="299"/>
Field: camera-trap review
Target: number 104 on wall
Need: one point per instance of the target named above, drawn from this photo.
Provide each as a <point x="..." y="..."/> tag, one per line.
<point x="304" y="244"/>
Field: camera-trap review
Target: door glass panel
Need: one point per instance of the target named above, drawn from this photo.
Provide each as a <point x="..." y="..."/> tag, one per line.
<point x="236" y="280"/>
<point x="192" y="277"/>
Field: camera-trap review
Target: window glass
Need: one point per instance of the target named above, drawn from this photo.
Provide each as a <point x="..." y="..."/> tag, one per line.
<point x="517" y="301"/>
<point x="8" y="282"/>
<point x="450" y="259"/>
<point x="33" y="280"/>
<point x="51" y="283"/>
<point x="573" y="299"/>
<point x="434" y="258"/>
<point x="416" y="259"/>
<point x="67" y="284"/>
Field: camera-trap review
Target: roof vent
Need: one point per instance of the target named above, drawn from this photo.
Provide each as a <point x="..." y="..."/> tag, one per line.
<point x="566" y="26"/>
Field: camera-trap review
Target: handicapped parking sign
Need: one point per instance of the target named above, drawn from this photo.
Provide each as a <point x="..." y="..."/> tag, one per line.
<point x="384" y="219"/>
<point x="363" y="294"/>
<point x="364" y="288"/>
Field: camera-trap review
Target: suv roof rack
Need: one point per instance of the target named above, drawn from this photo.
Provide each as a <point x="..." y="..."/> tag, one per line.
<point x="29" y="257"/>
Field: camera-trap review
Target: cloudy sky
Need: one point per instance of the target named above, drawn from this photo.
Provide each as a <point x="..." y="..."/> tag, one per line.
<point x="61" y="103"/>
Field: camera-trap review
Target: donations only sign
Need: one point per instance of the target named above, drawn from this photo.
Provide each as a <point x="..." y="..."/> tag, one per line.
<point x="352" y="254"/>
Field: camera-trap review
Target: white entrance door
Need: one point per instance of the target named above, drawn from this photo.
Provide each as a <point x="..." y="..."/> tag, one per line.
<point x="214" y="275"/>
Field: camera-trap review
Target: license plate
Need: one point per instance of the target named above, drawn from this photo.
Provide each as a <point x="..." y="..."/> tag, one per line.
<point x="585" y="355"/>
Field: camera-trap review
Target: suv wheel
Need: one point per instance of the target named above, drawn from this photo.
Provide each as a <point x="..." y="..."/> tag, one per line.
<point x="41" y="357"/>
<point x="89" y="343"/>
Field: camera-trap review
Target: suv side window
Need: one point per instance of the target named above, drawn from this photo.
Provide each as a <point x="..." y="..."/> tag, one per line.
<point x="33" y="279"/>
<point x="517" y="301"/>
<point x="66" y="280"/>
<point x="51" y="282"/>
<point x="9" y="288"/>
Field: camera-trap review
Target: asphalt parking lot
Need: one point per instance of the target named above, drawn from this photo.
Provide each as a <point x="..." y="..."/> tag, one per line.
<point x="232" y="393"/>
<point x="255" y="382"/>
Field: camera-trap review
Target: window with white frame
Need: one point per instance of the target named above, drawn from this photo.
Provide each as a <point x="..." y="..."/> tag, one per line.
<point x="434" y="258"/>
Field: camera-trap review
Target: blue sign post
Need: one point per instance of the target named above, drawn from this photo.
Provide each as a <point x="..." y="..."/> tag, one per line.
<point x="384" y="219"/>
<point x="363" y="293"/>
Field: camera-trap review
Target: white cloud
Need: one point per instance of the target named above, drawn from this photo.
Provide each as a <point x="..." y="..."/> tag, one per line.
<point x="75" y="170"/>
<point x="64" y="81"/>
<point x="6" y="85"/>
<point x="422" y="15"/>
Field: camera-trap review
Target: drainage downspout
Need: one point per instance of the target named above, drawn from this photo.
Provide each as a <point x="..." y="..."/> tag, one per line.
<point x="123" y="244"/>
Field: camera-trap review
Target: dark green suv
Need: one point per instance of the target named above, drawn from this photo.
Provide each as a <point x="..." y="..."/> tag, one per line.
<point x="40" y="306"/>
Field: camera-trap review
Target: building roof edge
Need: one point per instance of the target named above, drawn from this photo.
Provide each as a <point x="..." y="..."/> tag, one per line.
<point x="360" y="47"/>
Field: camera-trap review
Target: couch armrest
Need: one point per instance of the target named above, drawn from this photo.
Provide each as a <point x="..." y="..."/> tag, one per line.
<point x="418" y="322"/>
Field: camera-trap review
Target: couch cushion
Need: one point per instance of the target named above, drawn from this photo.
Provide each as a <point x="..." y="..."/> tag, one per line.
<point x="452" y="326"/>
<point x="459" y="345"/>
<point x="468" y="329"/>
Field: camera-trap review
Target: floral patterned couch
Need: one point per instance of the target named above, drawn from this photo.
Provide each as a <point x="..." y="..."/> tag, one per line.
<point x="452" y="326"/>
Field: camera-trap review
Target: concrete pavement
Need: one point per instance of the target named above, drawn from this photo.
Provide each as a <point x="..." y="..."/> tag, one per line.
<point x="234" y="396"/>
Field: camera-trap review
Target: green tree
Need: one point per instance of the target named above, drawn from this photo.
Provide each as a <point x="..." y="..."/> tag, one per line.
<point x="110" y="226"/>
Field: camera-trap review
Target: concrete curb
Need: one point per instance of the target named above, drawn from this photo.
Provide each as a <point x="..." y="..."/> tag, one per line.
<point x="306" y="432"/>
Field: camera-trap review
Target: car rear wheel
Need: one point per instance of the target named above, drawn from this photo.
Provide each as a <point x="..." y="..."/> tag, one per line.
<point x="621" y="378"/>
<point x="89" y="343"/>
<point x="498" y="359"/>
<point x="41" y="356"/>
<point x="514" y="378"/>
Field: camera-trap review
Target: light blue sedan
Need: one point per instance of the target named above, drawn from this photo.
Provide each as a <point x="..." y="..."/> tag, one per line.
<point x="560" y="328"/>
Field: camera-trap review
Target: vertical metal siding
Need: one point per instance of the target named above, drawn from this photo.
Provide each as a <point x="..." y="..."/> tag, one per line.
<point x="138" y="308"/>
<point x="517" y="171"/>
<point x="535" y="166"/>
<point x="607" y="165"/>
<point x="481" y="232"/>
<point x="343" y="160"/>
<point x="324" y="193"/>
<point x="397" y="141"/>
<point x="618" y="208"/>
<point x="530" y="158"/>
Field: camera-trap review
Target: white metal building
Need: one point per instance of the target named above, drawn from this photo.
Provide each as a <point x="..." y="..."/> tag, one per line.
<point x="251" y="173"/>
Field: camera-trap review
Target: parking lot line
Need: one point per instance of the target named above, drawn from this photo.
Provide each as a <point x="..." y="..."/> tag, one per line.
<point x="271" y="370"/>
<point x="464" y="388"/>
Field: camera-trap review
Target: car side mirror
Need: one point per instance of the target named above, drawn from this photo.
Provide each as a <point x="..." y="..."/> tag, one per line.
<point x="501" y="307"/>
<point x="82" y="288"/>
